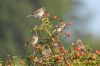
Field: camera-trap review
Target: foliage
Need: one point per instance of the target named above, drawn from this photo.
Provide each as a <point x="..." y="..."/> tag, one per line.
<point x="49" y="51"/>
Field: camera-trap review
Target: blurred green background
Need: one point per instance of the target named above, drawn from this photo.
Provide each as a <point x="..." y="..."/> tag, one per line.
<point x="15" y="26"/>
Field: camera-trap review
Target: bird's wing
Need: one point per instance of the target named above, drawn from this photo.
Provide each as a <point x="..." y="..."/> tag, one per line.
<point x="37" y="11"/>
<point x="28" y="42"/>
<point x="32" y="39"/>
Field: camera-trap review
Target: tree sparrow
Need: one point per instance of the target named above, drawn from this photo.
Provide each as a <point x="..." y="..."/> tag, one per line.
<point x="57" y="29"/>
<point x="38" y="13"/>
<point x="33" y="40"/>
<point x="46" y="52"/>
<point x="62" y="25"/>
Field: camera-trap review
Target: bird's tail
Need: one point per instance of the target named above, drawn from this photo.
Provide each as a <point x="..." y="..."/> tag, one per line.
<point x="26" y="43"/>
<point x="54" y="31"/>
<point x="29" y="15"/>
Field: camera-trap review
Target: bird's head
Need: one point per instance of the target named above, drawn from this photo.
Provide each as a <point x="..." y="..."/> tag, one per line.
<point x="36" y="35"/>
<point x="42" y="9"/>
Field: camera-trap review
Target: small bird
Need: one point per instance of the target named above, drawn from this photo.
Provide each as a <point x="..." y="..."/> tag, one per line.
<point x="9" y="60"/>
<point x="46" y="52"/>
<point x="57" y="29"/>
<point x="38" y="13"/>
<point x="33" y="41"/>
<point x="62" y="25"/>
<point x="81" y="45"/>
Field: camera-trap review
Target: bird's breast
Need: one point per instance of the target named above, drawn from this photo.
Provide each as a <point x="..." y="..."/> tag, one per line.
<point x="58" y="29"/>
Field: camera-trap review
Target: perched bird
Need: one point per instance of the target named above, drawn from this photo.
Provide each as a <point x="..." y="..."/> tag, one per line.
<point x="9" y="60"/>
<point x="33" y="41"/>
<point x="38" y="13"/>
<point x="62" y="25"/>
<point x="46" y="52"/>
<point x="81" y="45"/>
<point x="57" y="29"/>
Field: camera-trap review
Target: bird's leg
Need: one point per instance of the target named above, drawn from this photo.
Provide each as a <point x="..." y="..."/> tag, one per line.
<point x="34" y="50"/>
<point x="34" y="54"/>
<point x="36" y="32"/>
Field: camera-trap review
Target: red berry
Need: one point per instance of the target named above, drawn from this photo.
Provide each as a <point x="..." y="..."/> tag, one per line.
<point x="21" y="61"/>
<point x="69" y="23"/>
<point x="60" y="57"/>
<point x="59" y="61"/>
<point x="54" y="17"/>
<point x="78" y="55"/>
<point x="61" y="48"/>
<point x="78" y="48"/>
<point x="97" y="51"/>
<point x="68" y="34"/>
<point x="82" y="53"/>
<point x="64" y="51"/>
<point x="72" y="44"/>
<point x="8" y="65"/>
<point x="90" y="61"/>
<point x="68" y="64"/>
